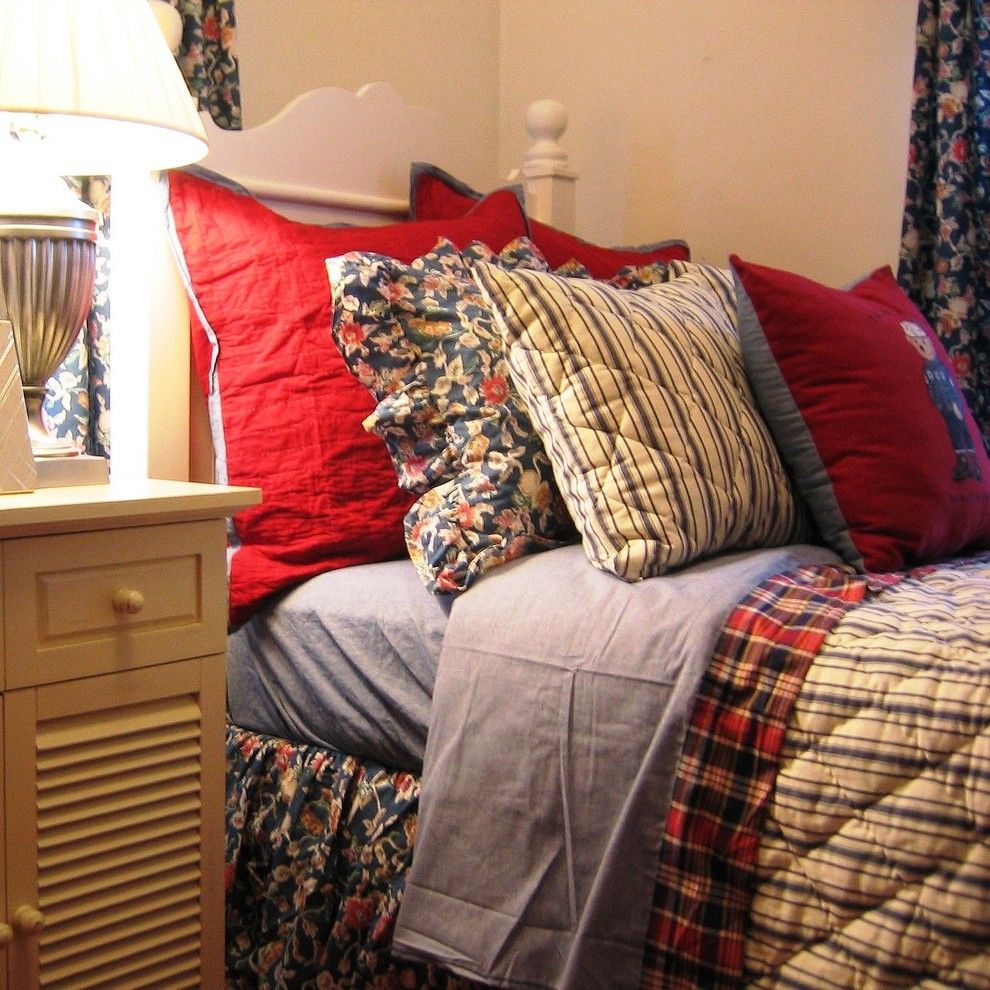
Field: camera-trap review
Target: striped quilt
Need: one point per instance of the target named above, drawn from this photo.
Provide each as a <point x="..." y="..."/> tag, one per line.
<point x="831" y="819"/>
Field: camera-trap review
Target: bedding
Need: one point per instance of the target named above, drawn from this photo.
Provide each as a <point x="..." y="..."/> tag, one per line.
<point x="422" y="340"/>
<point x="434" y="194"/>
<point x="617" y="743"/>
<point x="642" y="402"/>
<point x="878" y="829"/>
<point x="571" y="781"/>
<point x="867" y="412"/>
<point x="345" y="660"/>
<point x="869" y="874"/>
<point x="285" y="413"/>
<point x="317" y="846"/>
<point x="791" y="685"/>
<point x="761" y="767"/>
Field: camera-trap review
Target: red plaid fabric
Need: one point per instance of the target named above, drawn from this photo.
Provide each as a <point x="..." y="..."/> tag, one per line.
<point x="726" y="774"/>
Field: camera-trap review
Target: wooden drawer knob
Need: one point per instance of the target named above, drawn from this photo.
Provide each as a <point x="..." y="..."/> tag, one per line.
<point x="6" y="935"/>
<point x="28" y="920"/>
<point x="128" y="601"/>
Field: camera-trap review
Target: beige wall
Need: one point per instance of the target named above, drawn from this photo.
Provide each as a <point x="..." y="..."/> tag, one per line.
<point x="775" y="130"/>
<point x="435" y="52"/>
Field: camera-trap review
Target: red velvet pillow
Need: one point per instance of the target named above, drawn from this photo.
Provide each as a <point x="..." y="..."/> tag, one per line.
<point x="863" y="403"/>
<point x="435" y="194"/>
<point x="285" y="411"/>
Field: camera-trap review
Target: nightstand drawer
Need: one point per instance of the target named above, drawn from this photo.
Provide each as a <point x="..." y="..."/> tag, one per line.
<point x="94" y="603"/>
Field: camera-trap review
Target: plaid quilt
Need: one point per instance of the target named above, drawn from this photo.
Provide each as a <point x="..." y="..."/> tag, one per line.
<point x="831" y="822"/>
<point x="874" y="867"/>
<point x="726" y="773"/>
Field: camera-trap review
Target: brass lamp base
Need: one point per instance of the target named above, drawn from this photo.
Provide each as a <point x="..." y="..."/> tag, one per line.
<point x="43" y="443"/>
<point x="47" y="269"/>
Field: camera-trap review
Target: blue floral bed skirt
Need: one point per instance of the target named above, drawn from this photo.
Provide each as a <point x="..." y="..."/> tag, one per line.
<point x="318" y="845"/>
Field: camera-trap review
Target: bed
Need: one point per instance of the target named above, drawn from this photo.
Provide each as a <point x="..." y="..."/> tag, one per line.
<point x="588" y="634"/>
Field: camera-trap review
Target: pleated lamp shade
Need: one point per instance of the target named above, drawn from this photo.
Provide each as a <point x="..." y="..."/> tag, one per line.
<point x="104" y="86"/>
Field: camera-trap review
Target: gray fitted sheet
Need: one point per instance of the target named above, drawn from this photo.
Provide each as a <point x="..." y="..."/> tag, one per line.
<point x="348" y="660"/>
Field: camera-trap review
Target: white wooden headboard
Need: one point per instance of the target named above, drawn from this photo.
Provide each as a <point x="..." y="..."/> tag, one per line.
<point x="330" y="155"/>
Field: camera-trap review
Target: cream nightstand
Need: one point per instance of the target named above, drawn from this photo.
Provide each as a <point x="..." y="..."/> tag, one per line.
<point x="112" y="640"/>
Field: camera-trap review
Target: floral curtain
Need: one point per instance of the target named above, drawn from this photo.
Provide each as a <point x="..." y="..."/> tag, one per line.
<point x="208" y="58"/>
<point x="78" y="402"/>
<point x="945" y="245"/>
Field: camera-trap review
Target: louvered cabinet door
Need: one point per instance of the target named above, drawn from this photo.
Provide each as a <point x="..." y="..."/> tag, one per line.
<point x="114" y="846"/>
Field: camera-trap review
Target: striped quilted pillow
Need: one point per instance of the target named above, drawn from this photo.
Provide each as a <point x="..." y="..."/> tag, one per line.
<point x="641" y="400"/>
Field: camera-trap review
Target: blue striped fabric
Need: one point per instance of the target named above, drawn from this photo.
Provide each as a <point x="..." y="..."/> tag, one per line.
<point x="642" y="403"/>
<point x="874" y="869"/>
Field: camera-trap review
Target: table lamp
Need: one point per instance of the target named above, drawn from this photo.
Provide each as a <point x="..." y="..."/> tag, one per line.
<point x="87" y="87"/>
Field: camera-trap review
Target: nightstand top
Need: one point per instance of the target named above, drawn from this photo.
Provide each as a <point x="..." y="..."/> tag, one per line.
<point x="124" y="502"/>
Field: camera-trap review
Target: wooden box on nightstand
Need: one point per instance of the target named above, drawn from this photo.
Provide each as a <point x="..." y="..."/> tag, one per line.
<point x="112" y="641"/>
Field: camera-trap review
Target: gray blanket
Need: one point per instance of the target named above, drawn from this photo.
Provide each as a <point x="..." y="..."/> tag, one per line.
<point x="559" y="711"/>
<point x="345" y="660"/>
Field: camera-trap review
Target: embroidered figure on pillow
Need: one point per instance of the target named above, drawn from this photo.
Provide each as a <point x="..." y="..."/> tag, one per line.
<point x="948" y="400"/>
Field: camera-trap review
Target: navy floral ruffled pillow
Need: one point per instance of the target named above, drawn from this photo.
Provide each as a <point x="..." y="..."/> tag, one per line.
<point x="628" y="277"/>
<point x="422" y="340"/>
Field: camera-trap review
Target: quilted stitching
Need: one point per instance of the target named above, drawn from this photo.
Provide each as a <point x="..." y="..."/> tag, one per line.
<point x="642" y="402"/>
<point x="875" y="867"/>
<point x="285" y="412"/>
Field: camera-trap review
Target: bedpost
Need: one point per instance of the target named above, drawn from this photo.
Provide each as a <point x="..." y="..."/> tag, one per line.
<point x="149" y="419"/>
<point x="546" y="176"/>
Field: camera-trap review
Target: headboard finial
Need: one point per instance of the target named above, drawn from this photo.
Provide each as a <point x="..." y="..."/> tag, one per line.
<point x="546" y="121"/>
<point x="547" y="178"/>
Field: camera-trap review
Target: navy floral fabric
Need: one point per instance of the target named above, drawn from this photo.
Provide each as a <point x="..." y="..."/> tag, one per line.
<point x="422" y="340"/>
<point x="945" y="245"/>
<point x="207" y="57"/>
<point x="629" y="277"/>
<point x="318" y="845"/>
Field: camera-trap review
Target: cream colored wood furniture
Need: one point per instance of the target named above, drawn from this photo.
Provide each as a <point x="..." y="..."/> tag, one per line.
<point x="113" y="633"/>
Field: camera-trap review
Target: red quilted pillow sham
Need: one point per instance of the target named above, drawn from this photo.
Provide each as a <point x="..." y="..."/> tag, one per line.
<point x="865" y="408"/>
<point x="435" y="194"/>
<point x="285" y="411"/>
